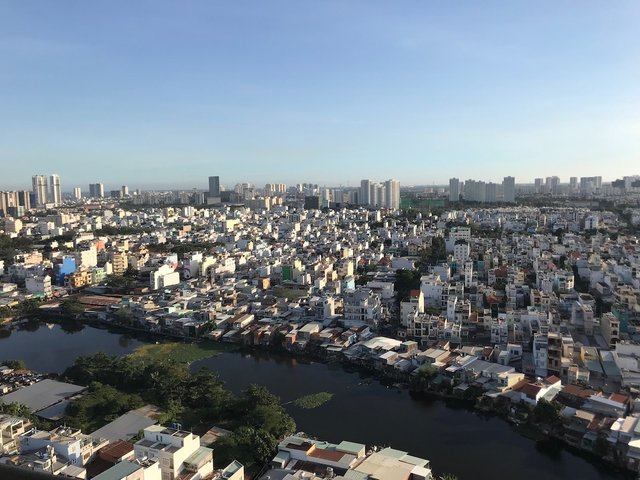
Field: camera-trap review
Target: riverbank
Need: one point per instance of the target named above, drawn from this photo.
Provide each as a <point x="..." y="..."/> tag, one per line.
<point x="366" y="406"/>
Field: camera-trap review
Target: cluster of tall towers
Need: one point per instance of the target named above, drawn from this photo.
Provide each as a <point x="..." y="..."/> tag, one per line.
<point x="46" y="192"/>
<point x="385" y="195"/>
<point x="479" y="191"/>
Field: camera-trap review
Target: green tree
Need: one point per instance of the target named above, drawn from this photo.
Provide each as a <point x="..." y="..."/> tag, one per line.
<point x="71" y="307"/>
<point x="15" y="409"/>
<point x="103" y="403"/>
<point x="421" y="380"/>
<point x="406" y="280"/>
<point x="547" y="413"/>
<point x="14" y="364"/>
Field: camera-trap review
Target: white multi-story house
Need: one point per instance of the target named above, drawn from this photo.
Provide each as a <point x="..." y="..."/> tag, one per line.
<point x="461" y="251"/>
<point x="361" y="307"/>
<point x="414" y="304"/>
<point x="39" y="285"/>
<point x="499" y="331"/>
<point x="177" y="451"/>
<point x="540" y="354"/>
<point x="10" y="430"/>
<point x="164" y="276"/>
<point x="87" y="257"/>
<point x="432" y="287"/>
<point x="67" y="442"/>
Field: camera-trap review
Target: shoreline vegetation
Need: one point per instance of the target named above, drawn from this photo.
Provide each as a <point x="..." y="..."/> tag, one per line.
<point x="159" y="374"/>
<point x="314" y="400"/>
<point x="257" y="417"/>
<point x="196" y="400"/>
<point x="179" y="352"/>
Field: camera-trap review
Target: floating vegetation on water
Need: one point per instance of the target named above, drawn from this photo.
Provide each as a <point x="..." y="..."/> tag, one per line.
<point x="313" y="401"/>
<point x="179" y="352"/>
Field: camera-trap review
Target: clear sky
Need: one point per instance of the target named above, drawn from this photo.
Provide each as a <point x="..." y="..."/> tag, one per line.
<point x="158" y="93"/>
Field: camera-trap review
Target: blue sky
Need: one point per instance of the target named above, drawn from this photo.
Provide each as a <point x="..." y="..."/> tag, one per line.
<point x="162" y="94"/>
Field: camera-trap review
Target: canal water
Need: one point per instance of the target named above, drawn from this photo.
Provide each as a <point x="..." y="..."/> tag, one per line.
<point x="48" y="348"/>
<point x="455" y="439"/>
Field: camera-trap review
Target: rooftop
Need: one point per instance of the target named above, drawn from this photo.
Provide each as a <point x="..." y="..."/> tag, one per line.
<point x="43" y="394"/>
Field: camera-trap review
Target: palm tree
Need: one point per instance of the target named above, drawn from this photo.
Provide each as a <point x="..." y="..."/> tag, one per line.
<point x="448" y="476"/>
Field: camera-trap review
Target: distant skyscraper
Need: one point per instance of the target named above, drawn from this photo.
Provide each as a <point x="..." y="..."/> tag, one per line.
<point x="214" y="186"/>
<point x="573" y="184"/>
<point x="213" y="196"/>
<point x="376" y="195"/>
<point x="9" y="203"/>
<point x="539" y="182"/>
<point x="454" y="190"/>
<point x="491" y="192"/>
<point x="590" y="184"/>
<point x="124" y="191"/>
<point x="39" y="183"/>
<point x="365" y="192"/>
<point x="553" y="185"/>
<point x="24" y="199"/>
<point x="77" y="193"/>
<point x="392" y="194"/>
<point x="56" y="192"/>
<point x="96" y="190"/>
<point x="509" y="189"/>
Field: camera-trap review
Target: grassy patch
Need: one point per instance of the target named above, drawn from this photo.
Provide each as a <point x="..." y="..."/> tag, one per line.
<point x="313" y="401"/>
<point x="179" y="352"/>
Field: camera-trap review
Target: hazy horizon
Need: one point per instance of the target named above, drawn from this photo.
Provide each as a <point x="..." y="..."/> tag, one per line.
<point x="162" y="94"/>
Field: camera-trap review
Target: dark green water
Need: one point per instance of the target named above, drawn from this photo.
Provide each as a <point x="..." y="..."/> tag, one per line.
<point x="453" y="438"/>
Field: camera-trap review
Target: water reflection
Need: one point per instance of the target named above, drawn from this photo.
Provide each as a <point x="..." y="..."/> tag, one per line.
<point x="451" y="435"/>
<point x="50" y="348"/>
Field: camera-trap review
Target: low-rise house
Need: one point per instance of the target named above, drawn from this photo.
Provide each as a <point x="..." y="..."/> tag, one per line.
<point x="548" y="388"/>
<point x="176" y="451"/>
<point x="612" y="406"/>
<point x="11" y="428"/>
<point x="136" y="470"/>
<point x="69" y="443"/>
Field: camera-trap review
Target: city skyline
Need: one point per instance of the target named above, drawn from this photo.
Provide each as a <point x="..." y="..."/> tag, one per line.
<point x="204" y="184"/>
<point x="283" y="92"/>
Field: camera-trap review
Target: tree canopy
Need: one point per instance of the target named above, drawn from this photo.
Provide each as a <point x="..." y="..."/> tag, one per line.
<point x="119" y="384"/>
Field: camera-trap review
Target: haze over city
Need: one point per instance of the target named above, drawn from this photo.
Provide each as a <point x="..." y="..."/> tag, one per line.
<point x="158" y="96"/>
<point x="321" y="240"/>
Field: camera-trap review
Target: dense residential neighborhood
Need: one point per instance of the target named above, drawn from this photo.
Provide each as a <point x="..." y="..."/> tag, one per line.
<point x="527" y="311"/>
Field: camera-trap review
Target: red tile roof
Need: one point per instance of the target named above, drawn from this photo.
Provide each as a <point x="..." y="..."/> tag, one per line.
<point x="553" y="379"/>
<point x="531" y="390"/>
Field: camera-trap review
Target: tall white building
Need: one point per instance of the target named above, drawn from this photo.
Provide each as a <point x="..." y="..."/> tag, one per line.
<point x="553" y="185"/>
<point x="56" y="193"/>
<point x="454" y="190"/>
<point x="39" y="183"/>
<point x="475" y="191"/>
<point x="392" y="194"/>
<point x="77" y="193"/>
<point x="491" y="192"/>
<point x="509" y="189"/>
<point x="573" y="184"/>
